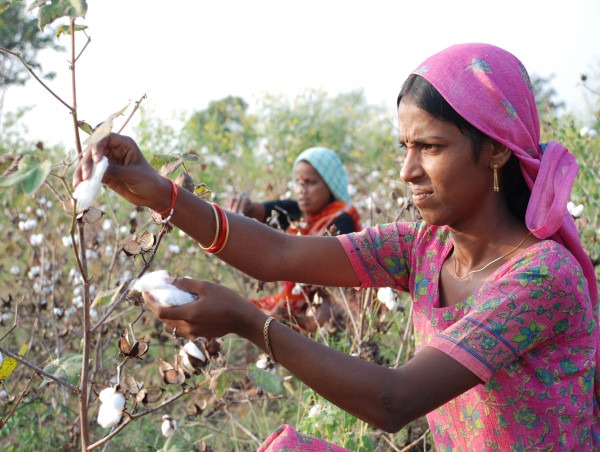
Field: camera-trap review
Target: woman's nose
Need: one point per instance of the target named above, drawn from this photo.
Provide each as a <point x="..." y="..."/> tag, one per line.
<point x="411" y="167"/>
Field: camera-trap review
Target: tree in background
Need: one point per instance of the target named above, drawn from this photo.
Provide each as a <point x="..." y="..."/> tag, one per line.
<point x="225" y="126"/>
<point x="21" y="34"/>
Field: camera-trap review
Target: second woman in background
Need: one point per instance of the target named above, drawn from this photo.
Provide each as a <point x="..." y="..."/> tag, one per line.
<point x="322" y="207"/>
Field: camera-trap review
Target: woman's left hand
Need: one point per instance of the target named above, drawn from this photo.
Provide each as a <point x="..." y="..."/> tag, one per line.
<point x="216" y="311"/>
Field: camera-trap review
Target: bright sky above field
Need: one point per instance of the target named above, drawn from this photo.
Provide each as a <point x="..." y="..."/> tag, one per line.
<point x="185" y="53"/>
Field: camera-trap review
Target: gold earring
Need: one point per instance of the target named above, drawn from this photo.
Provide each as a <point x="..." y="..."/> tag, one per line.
<point x="496" y="187"/>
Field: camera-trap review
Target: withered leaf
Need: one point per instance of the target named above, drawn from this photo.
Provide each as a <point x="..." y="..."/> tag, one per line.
<point x="170" y="167"/>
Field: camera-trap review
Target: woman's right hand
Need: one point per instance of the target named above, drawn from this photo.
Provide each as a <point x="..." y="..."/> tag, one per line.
<point x="129" y="173"/>
<point x="241" y="204"/>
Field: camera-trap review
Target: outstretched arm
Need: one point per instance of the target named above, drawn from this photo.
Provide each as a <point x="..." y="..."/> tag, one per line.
<point x="385" y="398"/>
<point x="252" y="247"/>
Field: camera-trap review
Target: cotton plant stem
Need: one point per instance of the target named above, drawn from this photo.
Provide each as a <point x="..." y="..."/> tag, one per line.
<point x="74" y="88"/>
<point x="85" y="368"/>
<point x="39" y="370"/>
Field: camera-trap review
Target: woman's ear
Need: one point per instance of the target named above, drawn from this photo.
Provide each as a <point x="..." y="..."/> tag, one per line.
<point x="498" y="153"/>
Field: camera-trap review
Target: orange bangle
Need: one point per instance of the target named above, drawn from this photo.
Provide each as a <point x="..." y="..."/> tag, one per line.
<point x="170" y="209"/>
<point x="224" y="232"/>
<point x="217" y="221"/>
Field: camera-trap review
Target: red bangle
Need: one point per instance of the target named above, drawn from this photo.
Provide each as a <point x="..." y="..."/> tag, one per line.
<point x="224" y="233"/>
<point x="169" y="209"/>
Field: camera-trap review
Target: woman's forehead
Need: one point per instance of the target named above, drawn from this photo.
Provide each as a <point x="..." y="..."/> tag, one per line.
<point x="416" y="124"/>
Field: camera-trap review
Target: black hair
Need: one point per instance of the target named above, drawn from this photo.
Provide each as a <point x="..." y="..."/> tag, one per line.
<point x="512" y="183"/>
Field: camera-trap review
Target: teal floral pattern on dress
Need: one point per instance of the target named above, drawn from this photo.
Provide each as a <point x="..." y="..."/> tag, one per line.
<point x="528" y="332"/>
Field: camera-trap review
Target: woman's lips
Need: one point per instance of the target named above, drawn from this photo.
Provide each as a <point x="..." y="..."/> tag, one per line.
<point x="419" y="197"/>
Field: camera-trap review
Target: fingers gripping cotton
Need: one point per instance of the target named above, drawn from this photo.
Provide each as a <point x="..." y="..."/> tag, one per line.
<point x="165" y="293"/>
<point x="87" y="190"/>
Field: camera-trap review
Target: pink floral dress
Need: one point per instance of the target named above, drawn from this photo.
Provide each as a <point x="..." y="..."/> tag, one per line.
<point x="529" y="333"/>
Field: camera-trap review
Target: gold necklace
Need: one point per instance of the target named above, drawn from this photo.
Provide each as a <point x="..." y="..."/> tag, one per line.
<point x="489" y="263"/>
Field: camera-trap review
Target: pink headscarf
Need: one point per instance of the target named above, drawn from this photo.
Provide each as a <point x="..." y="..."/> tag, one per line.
<point x="490" y="88"/>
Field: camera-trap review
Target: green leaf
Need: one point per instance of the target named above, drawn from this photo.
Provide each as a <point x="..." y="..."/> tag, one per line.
<point x="37" y="176"/>
<point x="158" y="161"/>
<point x="30" y="172"/>
<point x="66" y="29"/>
<point x="67" y="367"/>
<point x="48" y="13"/>
<point x="221" y="383"/>
<point x="265" y="380"/>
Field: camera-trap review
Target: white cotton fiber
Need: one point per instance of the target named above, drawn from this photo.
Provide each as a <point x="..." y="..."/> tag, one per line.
<point x="87" y="190"/>
<point x="165" y="293"/>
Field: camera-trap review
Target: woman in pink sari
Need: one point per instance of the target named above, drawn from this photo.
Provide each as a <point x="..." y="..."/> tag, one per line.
<point x="505" y="298"/>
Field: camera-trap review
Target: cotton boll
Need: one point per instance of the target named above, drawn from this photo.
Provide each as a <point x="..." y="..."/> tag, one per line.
<point x="86" y="191"/>
<point x="592" y="133"/>
<point x="387" y="297"/>
<point x="166" y="294"/>
<point x="116" y="401"/>
<point x="36" y="239"/>
<point x="575" y="210"/>
<point x="174" y="249"/>
<point x="261" y="364"/>
<point x="168" y="426"/>
<point x="16" y="270"/>
<point x="106" y="394"/>
<point x="108" y="417"/>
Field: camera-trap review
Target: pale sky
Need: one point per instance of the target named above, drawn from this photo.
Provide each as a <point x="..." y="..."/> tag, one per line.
<point x="185" y="53"/>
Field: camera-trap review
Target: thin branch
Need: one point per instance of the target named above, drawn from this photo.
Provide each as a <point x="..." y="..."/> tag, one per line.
<point x="414" y="443"/>
<point x="18" y="55"/>
<point x="241" y="427"/>
<point x="137" y="105"/>
<point x="38" y="370"/>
